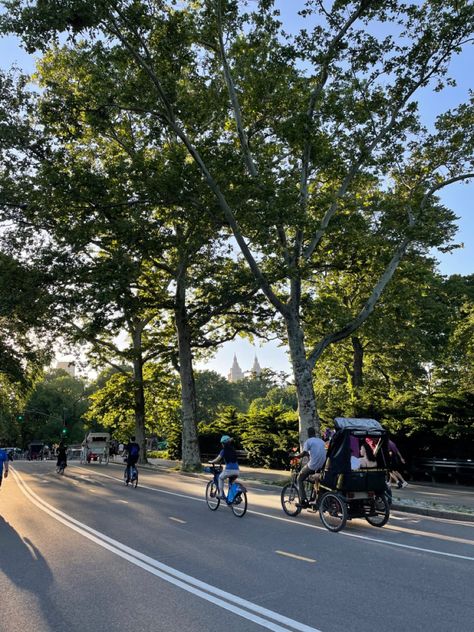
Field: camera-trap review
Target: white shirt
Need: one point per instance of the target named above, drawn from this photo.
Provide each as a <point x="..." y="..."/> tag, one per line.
<point x="355" y="463"/>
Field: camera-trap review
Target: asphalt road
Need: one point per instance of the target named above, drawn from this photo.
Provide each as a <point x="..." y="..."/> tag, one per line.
<point x="82" y="551"/>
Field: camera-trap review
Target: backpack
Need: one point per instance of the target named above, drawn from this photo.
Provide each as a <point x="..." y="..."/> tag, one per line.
<point x="134" y="450"/>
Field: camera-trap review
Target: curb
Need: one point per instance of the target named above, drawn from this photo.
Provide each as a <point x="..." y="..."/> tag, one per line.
<point x="434" y="513"/>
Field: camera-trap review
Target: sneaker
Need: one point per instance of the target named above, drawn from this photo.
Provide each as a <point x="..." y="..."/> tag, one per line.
<point x="303" y="505"/>
<point x="399" y="485"/>
<point x="404" y="484"/>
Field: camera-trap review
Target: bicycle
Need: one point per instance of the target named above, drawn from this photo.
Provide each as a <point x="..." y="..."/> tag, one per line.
<point x="61" y="467"/>
<point x="290" y="496"/>
<point x="236" y="497"/>
<point x="130" y="475"/>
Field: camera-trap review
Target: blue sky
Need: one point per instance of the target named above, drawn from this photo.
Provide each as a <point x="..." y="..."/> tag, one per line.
<point x="457" y="197"/>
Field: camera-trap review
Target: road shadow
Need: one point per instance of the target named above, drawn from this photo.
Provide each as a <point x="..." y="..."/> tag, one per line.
<point x="24" y="565"/>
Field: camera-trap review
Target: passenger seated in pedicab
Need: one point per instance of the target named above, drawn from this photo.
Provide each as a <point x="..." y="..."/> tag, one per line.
<point x="366" y="459"/>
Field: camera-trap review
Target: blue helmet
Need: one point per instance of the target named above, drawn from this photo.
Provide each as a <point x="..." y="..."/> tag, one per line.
<point x="225" y="439"/>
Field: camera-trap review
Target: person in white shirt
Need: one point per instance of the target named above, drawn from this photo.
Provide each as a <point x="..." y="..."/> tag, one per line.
<point x="315" y="448"/>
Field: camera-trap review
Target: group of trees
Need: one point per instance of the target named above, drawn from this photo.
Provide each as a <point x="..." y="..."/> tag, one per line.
<point x="187" y="172"/>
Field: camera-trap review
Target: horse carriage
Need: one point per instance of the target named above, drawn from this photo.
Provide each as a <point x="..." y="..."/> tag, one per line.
<point x="341" y="493"/>
<point x="96" y="448"/>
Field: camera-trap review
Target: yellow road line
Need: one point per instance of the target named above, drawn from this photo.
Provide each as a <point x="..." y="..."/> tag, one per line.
<point x="296" y="557"/>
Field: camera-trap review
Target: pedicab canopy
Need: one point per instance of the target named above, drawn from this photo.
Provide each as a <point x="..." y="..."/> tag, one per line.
<point x="352" y="423"/>
<point x="346" y="441"/>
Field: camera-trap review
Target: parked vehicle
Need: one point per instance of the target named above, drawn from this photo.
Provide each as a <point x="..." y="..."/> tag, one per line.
<point x="35" y="450"/>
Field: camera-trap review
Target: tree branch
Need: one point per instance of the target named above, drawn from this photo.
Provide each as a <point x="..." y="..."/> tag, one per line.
<point x="234" y="99"/>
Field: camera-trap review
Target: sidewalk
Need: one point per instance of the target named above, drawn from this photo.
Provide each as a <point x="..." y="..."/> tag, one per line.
<point x="455" y="502"/>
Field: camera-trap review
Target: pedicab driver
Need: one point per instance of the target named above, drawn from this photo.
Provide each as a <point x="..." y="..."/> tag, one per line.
<point x="315" y="448"/>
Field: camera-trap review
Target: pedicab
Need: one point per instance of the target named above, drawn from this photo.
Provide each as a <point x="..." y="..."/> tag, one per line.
<point x="96" y="447"/>
<point x="341" y="493"/>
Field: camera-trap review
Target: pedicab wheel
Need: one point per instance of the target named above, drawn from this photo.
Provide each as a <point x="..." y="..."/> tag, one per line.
<point x="289" y="497"/>
<point x="212" y="496"/>
<point x="333" y="512"/>
<point x="239" y="504"/>
<point x="379" y="512"/>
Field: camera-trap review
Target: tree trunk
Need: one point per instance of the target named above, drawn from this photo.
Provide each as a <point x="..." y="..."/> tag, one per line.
<point x="307" y="411"/>
<point x="139" y="393"/>
<point x="191" y="457"/>
<point x="358" y="363"/>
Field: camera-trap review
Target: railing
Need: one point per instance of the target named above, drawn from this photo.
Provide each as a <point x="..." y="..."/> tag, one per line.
<point x="242" y="455"/>
<point x="453" y="470"/>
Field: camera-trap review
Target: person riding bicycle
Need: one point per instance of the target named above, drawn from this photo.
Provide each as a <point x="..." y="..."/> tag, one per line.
<point x="315" y="448"/>
<point x="62" y="455"/>
<point x="133" y="452"/>
<point x="229" y="456"/>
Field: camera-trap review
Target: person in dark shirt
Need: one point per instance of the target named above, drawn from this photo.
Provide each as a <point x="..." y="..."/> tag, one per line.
<point x="229" y="456"/>
<point x="133" y="452"/>
<point x="62" y="455"/>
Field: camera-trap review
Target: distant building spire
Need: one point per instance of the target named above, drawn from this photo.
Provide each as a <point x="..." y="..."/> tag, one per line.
<point x="256" y="369"/>
<point x="235" y="373"/>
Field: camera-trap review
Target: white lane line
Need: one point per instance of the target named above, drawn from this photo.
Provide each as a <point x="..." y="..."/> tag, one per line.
<point x="313" y="526"/>
<point x="296" y="557"/>
<point x="205" y="591"/>
<point x="177" y="520"/>
<point x="121" y="501"/>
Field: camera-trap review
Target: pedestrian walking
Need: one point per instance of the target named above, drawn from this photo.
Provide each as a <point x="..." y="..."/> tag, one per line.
<point x="395" y="461"/>
<point x="4" y="461"/>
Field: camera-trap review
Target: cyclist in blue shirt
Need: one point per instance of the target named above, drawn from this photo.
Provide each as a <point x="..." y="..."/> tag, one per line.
<point x="4" y="458"/>
<point x="229" y="456"/>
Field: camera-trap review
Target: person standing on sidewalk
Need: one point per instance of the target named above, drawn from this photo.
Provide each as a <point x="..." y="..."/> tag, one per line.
<point x="396" y="459"/>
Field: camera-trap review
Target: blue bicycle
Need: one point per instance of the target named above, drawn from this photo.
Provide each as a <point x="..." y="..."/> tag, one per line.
<point x="130" y="475"/>
<point x="236" y="497"/>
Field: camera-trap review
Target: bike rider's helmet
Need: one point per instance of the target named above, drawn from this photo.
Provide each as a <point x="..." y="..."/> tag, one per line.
<point x="225" y="439"/>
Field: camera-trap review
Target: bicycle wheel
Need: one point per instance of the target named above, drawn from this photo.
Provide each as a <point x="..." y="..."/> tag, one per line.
<point x="379" y="512"/>
<point x="289" y="497"/>
<point x="333" y="512"/>
<point x="134" y="480"/>
<point x="212" y="496"/>
<point x="239" y="504"/>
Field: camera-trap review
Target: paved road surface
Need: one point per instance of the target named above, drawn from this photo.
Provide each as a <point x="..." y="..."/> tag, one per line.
<point x="82" y="551"/>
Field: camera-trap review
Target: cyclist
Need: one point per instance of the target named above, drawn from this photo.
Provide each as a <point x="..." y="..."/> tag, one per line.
<point x="62" y="456"/>
<point x="133" y="452"/>
<point x="229" y="456"/>
<point x="316" y="450"/>
<point x="4" y="458"/>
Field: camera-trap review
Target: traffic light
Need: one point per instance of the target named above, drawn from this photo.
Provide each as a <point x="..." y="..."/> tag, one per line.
<point x="64" y="431"/>
<point x="20" y="417"/>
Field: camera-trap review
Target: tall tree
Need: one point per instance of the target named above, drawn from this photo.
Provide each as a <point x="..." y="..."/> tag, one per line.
<point x="304" y="120"/>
